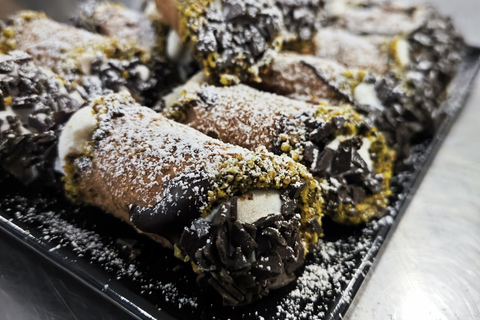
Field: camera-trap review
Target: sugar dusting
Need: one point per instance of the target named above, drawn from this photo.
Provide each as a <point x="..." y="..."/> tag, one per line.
<point x="363" y="52"/>
<point x="141" y="150"/>
<point x="55" y="226"/>
<point x="228" y="111"/>
<point x="333" y="266"/>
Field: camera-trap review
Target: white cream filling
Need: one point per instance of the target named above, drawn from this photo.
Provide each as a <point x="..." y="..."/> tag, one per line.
<point x="192" y="85"/>
<point x="85" y="61"/>
<point x="336" y="8"/>
<point x="142" y="72"/>
<point x="151" y="12"/>
<point x="77" y="131"/>
<point x="365" y="94"/>
<point x="176" y="50"/>
<point x="402" y="52"/>
<point x="365" y="154"/>
<point x="362" y="152"/>
<point x="258" y="204"/>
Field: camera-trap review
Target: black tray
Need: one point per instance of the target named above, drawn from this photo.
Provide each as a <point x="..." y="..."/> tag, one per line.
<point x="95" y="250"/>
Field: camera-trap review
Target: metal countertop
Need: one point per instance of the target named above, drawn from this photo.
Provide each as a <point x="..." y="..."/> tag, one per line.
<point x="430" y="267"/>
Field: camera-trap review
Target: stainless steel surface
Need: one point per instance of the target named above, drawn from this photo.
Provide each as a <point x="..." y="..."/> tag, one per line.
<point x="430" y="267"/>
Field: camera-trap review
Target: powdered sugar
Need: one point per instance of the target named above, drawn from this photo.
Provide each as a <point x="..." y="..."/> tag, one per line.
<point x="354" y="51"/>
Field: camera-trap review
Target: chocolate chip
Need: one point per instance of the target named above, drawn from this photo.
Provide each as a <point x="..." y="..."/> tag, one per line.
<point x="250" y="228"/>
<point x="324" y="161"/>
<point x="358" y="161"/>
<point x="343" y="194"/>
<point x="295" y="190"/>
<point x="342" y="161"/>
<point x="221" y="245"/>
<point x="241" y="238"/>
<point x="274" y="236"/>
<point x="194" y="236"/>
<point x="289" y="206"/>
<point x="268" y="266"/>
<point x="237" y="260"/>
<point x="206" y="41"/>
<point x="354" y="177"/>
<point x="233" y="10"/>
<point x="309" y="151"/>
<point x="338" y="122"/>
<point x="358" y="194"/>
<point x="222" y="215"/>
<point x="7" y="66"/>
<point x="266" y="221"/>
<point x="321" y="132"/>
<point x="257" y="43"/>
<point x="316" y="226"/>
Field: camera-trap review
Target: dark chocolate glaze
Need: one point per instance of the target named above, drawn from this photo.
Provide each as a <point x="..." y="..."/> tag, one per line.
<point x="243" y="261"/>
<point x="184" y="196"/>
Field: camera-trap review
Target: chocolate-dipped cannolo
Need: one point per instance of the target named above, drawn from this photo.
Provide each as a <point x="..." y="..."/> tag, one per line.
<point x="393" y="104"/>
<point x="400" y="79"/>
<point x="243" y="219"/>
<point x="232" y="39"/>
<point x="422" y="41"/>
<point x="34" y="105"/>
<point x="96" y="63"/>
<point x="337" y="145"/>
<point x="147" y="29"/>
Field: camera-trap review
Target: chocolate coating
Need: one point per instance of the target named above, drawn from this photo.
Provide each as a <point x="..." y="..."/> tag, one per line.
<point x="244" y="261"/>
<point x="231" y="37"/>
<point x="184" y="197"/>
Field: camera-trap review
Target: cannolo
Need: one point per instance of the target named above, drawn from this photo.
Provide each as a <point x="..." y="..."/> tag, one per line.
<point x="94" y="62"/>
<point x="338" y="145"/>
<point x="374" y="17"/>
<point x="115" y="20"/>
<point x="34" y="105"/>
<point x="394" y="105"/>
<point x="231" y="39"/>
<point x="243" y="219"/>
<point x="397" y="72"/>
<point x="422" y="41"/>
<point x="148" y="29"/>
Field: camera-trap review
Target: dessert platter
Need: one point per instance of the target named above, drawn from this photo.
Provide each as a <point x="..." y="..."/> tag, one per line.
<point x="227" y="159"/>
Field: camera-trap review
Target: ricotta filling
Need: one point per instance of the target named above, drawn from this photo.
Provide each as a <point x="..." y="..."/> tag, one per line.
<point x="77" y="131"/>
